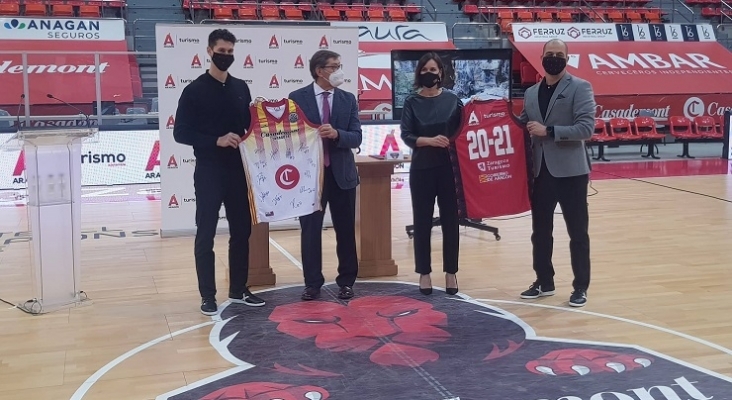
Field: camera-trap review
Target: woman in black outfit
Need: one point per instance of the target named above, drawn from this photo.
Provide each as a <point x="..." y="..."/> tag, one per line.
<point x="430" y="118"/>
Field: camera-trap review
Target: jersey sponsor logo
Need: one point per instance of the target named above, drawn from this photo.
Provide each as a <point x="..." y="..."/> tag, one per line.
<point x="287" y="177"/>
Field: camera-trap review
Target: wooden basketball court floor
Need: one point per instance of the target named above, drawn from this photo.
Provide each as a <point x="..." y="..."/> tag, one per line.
<point x="662" y="276"/>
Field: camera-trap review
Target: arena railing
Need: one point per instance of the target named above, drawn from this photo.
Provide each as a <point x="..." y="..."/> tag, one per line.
<point x="118" y="91"/>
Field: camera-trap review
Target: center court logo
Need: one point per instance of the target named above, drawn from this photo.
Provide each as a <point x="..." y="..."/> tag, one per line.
<point x="694" y="107"/>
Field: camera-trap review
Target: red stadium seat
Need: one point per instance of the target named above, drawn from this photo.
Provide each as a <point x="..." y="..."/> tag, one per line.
<point x="223" y="13"/>
<point x="680" y="128"/>
<point x="35" y="10"/>
<point x="354" y="15"/>
<point x="89" y="11"/>
<point x="9" y="9"/>
<point x="331" y="15"/>
<point x="397" y="15"/>
<point x="376" y="14"/>
<point x="601" y="135"/>
<point x="645" y="127"/>
<point x="564" y="17"/>
<point x="470" y="9"/>
<point x="294" y="14"/>
<point x="62" y="10"/>
<point x="270" y="13"/>
<point x="620" y="128"/>
<point x="248" y="12"/>
<point x="706" y="127"/>
<point x="528" y="74"/>
<point x="544" y="16"/>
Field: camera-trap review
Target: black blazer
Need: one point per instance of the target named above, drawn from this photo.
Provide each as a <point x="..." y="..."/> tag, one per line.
<point x="343" y="118"/>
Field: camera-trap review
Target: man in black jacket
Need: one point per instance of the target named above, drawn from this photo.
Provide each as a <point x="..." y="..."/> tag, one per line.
<point x="212" y="117"/>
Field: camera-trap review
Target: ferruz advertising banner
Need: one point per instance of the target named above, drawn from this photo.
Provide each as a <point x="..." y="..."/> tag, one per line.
<point x="110" y="158"/>
<point x="602" y="32"/>
<point x="273" y="59"/>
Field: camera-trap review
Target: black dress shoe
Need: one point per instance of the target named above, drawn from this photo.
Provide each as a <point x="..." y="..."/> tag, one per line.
<point x="452" y="291"/>
<point x="425" y="291"/>
<point x="345" y="293"/>
<point x="310" y="293"/>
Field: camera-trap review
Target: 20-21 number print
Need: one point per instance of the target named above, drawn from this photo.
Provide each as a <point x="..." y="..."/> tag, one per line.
<point x="479" y="144"/>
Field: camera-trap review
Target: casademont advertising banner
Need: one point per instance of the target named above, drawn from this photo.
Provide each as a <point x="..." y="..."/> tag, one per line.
<point x="69" y="73"/>
<point x="667" y="69"/>
<point x="273" y="61"/>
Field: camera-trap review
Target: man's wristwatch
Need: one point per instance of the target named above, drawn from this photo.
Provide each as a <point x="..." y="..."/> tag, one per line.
<point x="550" y="131"/>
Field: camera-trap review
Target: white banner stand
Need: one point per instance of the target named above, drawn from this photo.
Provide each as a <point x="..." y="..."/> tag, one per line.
<point x="53" y="172"/>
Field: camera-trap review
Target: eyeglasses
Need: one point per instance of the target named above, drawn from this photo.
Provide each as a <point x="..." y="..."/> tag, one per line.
<point x="332" y="67"/>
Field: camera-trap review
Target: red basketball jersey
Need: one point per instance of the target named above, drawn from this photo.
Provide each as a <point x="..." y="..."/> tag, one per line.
<point x="491" y="157"/>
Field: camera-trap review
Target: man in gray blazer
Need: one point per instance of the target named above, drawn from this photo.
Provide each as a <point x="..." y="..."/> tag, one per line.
<point x="337" y="111"/>
<point x="559" y="113"/>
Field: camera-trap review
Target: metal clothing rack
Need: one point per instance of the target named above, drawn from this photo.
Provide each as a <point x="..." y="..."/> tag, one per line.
<point x="469" y="223"/>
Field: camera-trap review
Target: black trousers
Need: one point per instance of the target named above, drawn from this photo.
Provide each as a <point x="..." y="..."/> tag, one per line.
<point x="342" y="205"/>
<point x="571" y="194"/>
<point x="425" y="185"/>
<point x="215" y="185"/>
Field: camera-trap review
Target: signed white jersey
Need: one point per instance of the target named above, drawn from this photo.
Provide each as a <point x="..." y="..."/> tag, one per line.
<point x="282" y="154"/>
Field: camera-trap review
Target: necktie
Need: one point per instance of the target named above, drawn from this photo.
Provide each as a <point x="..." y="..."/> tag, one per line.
<point x="326" y="120"/>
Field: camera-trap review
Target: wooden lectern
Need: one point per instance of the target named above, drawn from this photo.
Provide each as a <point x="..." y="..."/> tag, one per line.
<point x="260" y="272"/>
<point x="373" y="217"/>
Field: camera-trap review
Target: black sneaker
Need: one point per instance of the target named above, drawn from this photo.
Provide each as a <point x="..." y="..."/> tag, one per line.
<point x="537" y="290"/>
<point x="578" y="298"/>
<point x="247" y="298"/>
<point x="209" y="307"/>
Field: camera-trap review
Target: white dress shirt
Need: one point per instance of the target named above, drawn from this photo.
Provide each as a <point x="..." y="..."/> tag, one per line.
<point x="319" y="99"/>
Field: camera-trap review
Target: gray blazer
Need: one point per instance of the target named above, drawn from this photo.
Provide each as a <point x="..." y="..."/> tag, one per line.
<point x="344" y="119"/>
<point x="571" y="112"/>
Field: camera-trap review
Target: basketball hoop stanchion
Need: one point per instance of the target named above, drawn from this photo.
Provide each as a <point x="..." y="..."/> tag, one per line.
<point x="53" y="173"/>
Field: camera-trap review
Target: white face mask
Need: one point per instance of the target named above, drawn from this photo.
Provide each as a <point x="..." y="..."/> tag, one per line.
<point x="336" y="78"/>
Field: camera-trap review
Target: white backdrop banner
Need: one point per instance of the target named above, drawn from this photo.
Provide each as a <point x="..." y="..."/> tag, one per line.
<point x="110" y="158"/>
<point x="273" y="59"/>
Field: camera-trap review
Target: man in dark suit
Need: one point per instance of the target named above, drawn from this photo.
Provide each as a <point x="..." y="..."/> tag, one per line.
<point x="337" y="112"/>
<point x="560" y="115"/>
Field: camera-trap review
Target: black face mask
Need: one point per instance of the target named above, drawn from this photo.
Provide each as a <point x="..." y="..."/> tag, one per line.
<point x="222" y="61"/>
<point x="429" y="79"/>
<point x="554" y="65"/>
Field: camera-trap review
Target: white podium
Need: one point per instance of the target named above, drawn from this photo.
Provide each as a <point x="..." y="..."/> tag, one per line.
<point x="53" y="173"/>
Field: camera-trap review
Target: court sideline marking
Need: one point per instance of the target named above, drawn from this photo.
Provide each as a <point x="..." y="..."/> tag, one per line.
<point x="620" y="319"/>
<point x="89" y="382"/>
